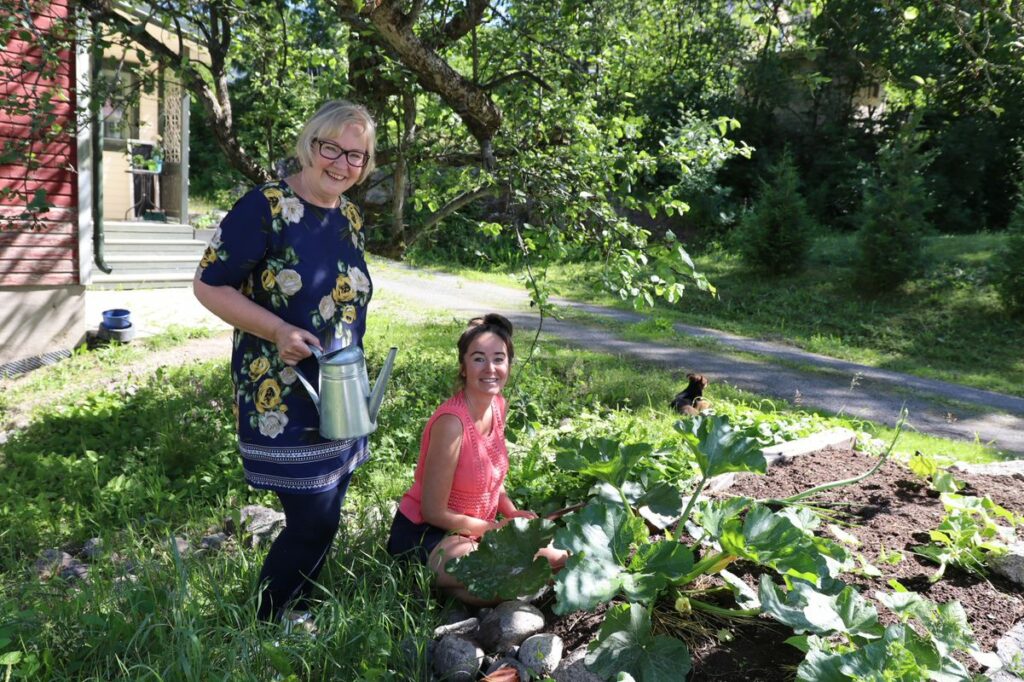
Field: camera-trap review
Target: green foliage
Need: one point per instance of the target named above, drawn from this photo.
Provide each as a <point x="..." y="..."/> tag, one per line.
<point x="494" y="569"/>
<point x="775" y="235"/>
<point x="625" y="644"/>
<point x="969" y="534"/>
<point x="863" y="651"/>
<point x="1009" y="265"/>
<point x="893" y="219"/>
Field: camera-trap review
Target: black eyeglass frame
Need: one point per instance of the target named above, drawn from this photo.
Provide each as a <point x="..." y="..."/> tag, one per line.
<point x="360" y="157"/>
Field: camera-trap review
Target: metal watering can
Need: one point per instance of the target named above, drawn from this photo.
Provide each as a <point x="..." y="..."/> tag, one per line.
<point x="347" y="407"/>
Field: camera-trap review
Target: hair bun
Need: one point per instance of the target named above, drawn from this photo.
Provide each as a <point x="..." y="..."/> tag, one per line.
<point x="493" y="320"/>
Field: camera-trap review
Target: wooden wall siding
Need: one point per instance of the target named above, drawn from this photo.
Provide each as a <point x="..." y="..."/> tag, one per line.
<point x="43" y="252"/>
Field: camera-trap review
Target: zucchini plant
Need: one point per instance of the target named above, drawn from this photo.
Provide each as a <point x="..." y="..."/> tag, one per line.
<point x="626" y="545"/>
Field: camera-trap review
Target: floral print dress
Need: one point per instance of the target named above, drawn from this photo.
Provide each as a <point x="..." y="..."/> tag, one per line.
<point x="306" y="264"/>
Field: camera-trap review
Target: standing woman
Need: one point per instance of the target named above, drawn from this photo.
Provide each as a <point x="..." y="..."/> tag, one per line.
<point x="287" y="270"/>
<point x="458" y="488"/>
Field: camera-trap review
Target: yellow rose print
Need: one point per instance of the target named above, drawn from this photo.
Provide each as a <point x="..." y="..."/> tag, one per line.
<point x="352" y="213"/>
<point x="268" y="396"/>
<point x="343" y="290"/>
<point x="268" y="279"/>
<point x="209" y="256"/>
<point x="349" y="314"/>
<point x="258" y="368"/>
<point x="274" y="196"/>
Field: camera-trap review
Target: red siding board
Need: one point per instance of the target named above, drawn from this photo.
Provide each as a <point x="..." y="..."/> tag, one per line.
<point x="56" y="280"/>
<point x="35" y="240"/>
<point x="38" y="267"/>
<point x="48" y="172"/>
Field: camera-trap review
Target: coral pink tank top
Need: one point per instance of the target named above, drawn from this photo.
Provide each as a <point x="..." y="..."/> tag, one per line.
<point x="480" y="472"/>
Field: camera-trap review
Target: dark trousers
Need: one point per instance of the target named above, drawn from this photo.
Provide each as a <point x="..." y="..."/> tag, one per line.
<point x="299" y="552"/>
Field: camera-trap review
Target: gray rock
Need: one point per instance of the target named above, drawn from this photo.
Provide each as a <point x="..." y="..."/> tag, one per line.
<point x="457" y="659"/>
<point x="510" y="662"/>
<point x="213" y="541"/>
<point x="92" y="549"/>
<point x="181" y="544"/>
<point x="508" y="624"/>
<point x="1012" y="467"/>
<point x="1010" y="649"/>
<point x="262" y="524"/>
<point x="53" y="562"/>
<point x="541" y="653"/>
<point x="573" y="668"/>
<point x="1011" y="564"/>
<point x="462" y="627"/>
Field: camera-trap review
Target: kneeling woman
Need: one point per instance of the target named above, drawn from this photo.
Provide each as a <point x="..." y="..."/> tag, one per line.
<point x="458" y="489"/>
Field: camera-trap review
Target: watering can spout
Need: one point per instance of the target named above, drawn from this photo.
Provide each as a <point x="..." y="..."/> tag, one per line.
<point x="377" y="395"/>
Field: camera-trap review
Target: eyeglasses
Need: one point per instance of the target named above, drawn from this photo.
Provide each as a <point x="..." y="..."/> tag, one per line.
<point x="331" y="151"/>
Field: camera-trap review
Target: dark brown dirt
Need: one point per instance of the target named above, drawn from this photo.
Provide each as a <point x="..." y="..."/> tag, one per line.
<point x="890" y="511"/>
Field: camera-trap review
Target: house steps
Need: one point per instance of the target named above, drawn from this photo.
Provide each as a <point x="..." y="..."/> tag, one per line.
<point x="148" y="255"/>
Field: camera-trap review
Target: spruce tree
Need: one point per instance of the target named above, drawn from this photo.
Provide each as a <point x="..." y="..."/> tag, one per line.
<point x="776" y="234"/>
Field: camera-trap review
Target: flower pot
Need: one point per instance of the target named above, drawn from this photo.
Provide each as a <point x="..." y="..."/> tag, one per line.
<point x="117" y="318"/>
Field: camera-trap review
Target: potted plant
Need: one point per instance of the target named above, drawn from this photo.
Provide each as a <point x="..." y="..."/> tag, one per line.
<point x="153" y="163"/>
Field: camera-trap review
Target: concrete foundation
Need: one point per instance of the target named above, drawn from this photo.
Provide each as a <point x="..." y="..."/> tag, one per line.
<point x="36" y="321"/>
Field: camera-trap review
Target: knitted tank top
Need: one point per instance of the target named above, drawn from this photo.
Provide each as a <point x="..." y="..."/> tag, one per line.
<point x="481" y="469"/>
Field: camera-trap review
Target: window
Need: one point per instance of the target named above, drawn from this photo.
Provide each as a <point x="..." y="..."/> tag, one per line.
<point x="120" y="92"/>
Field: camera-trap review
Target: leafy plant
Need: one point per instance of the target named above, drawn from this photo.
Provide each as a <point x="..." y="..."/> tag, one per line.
<point x="844" y="640"/>
<point x="939" y="479"/>
<point x="969" y="534"/>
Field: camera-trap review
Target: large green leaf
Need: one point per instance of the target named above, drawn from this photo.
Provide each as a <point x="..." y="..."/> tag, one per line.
<point x="805" y="609"/>
<point x="660" y="504"/>
<point x="625" y="645"/>
<point x="712" y="514"/>
<point x="720" y="448"/>
<point x="599" y="538"/>
<point x="772" y="539"/>
<point x="503" y="566"/>
<point x="654" y="567"/>
<point x="604" y="459"/>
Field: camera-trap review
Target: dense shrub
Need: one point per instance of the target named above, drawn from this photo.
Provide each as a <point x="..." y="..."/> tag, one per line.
<point x="893" y="222"/>
<point x="776" y="234"/>
<point x="1009" y="271"/>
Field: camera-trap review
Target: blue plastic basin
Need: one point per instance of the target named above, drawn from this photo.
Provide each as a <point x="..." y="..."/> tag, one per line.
<point x="117" y="318"/>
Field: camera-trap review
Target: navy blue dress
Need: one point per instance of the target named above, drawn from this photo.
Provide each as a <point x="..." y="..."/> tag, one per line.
<point x="305" y="264"/>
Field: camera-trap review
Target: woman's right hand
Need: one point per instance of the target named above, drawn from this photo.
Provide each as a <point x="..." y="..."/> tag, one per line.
<point x="293" y="343"/>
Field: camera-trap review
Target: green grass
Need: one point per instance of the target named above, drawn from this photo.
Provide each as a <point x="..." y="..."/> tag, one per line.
<point x="139" y="461"/>
<point x="946" y="325"/>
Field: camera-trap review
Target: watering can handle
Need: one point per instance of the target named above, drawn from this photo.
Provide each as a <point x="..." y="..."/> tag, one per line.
<point x="317" y="353"/>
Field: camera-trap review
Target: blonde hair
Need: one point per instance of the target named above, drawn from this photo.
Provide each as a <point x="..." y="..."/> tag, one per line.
<point x="331" y="119"/>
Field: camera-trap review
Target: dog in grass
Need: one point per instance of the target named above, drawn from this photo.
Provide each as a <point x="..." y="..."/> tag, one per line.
<point x="691" y="401"/>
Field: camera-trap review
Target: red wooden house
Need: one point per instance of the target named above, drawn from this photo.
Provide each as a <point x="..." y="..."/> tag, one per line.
<point x="95" y="227"/>
<point x="42" y="255"/>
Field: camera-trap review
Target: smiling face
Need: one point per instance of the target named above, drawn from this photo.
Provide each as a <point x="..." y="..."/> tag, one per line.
<point x="324" y="180"/>
<point x="485" y="367"/>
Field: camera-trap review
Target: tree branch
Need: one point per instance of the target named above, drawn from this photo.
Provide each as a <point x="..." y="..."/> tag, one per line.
<point x="522" y="73"/>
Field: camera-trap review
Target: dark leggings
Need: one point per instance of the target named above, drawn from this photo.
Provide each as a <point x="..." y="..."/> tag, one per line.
<point x="297" y="555"/>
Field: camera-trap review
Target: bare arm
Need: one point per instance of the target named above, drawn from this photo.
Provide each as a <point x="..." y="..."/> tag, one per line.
<point x="230" y="305"/>
<point x="438" y="474"/>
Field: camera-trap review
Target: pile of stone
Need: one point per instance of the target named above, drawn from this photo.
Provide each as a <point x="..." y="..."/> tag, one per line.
<point x="509" y="637"/>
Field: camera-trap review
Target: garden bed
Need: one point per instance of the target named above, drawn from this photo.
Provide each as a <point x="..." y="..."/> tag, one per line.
<point x="890" y="514"/>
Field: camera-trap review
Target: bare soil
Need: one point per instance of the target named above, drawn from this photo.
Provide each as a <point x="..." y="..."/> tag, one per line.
<point x="891" y="510"/>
